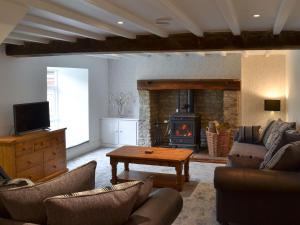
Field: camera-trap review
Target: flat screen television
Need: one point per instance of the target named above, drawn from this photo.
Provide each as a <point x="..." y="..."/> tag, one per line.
<point x="31" y="116"/>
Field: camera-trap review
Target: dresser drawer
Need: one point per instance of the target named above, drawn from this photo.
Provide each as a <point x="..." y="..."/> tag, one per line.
<point x="42" y="144"/>
<point x="57" y="139"/>
<point x="24" y="148"/>
<point x="29" y="160"/>
<point x="54" y="152"/>
<point x="34" y="173"/>
<point x="55" y="165"/>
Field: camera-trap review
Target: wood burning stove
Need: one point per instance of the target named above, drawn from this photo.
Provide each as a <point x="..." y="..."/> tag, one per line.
<point x="185" y="126"/>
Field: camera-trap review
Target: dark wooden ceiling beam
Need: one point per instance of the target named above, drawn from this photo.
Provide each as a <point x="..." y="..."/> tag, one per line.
<point x="203" y="84"/>
<point x="248" y="40"/>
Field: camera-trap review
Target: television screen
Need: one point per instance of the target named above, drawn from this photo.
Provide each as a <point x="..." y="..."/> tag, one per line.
<point x="31" y="116"/>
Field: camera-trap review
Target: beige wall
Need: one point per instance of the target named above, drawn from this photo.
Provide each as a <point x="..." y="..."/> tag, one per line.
<point x="262" y="78"/>
<point x="293" y="84"/>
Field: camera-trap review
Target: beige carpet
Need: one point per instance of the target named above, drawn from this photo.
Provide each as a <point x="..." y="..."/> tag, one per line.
<point x="198" y="194"/>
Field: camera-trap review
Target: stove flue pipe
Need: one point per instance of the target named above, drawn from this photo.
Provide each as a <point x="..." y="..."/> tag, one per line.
<point x="178" y="102"/>
<point x="190" y="101"/>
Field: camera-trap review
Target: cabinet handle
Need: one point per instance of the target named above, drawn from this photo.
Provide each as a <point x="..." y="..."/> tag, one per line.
<point x="121" y="131"/>
<point x="29" y="162"/>
<point x="54" y="166"/>
<point x="53" y="153"/>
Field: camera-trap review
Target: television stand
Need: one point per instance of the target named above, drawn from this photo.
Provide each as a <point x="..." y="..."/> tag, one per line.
<point x="39" y="155"/>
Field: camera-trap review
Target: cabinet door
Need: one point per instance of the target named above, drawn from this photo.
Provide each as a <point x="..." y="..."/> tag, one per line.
<point x="127" y="132"/>
<point x="109" y="131"/>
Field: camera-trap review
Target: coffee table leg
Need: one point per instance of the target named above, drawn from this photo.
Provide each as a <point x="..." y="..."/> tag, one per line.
<point x="179" y="176"/>
<point x="114" y="165"/>
<point x="126" y="165"/>
<point x="186" y="170"/>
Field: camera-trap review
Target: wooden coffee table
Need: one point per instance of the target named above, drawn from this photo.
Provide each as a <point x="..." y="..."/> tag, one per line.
<point x="178" y="158"/>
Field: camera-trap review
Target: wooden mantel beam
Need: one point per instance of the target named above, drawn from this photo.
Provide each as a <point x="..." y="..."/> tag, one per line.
<point x="203" y="84"/>
<point x="219" y="41"/>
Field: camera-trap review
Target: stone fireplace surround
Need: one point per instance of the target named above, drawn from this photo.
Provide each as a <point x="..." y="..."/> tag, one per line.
<point x="156" y="106"/>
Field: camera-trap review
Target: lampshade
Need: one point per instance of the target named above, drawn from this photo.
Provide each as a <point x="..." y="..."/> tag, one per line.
<point x="272" y="105"/>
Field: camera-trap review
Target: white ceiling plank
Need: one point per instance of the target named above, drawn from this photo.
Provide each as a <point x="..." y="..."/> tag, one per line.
<point x="11" y="14"/>
<point x="63" y="27"/>
<point x="43" y="33"/>
<point x="129" y="16"/>
<point x="77" y="16"/>
<point x="181" y="17"/>
<point x="13" y="42"/>
<point x="227" y="9"/>
<point x="24" y="37"/>
<point x="283" y="14"/>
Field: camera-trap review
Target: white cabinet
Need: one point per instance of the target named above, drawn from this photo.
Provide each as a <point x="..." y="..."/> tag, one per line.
<point x="119" y="131"/>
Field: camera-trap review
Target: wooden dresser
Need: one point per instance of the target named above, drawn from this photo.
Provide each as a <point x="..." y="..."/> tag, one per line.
<point x="38" y="156"/>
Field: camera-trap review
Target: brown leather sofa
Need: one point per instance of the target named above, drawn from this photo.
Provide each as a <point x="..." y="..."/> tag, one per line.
<point x="249" y="196"/>
<point x="162" y="208"/>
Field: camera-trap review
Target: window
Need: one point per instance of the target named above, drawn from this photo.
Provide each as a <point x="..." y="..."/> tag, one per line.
<point x="67" y="93"/>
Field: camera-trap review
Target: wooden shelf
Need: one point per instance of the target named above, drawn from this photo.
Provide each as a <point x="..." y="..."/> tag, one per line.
<point x="182" y="84"/>
<point x="160" y="179"/>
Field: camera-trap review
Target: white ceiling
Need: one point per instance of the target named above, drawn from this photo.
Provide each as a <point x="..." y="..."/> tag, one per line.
<point x="139" y="17"/>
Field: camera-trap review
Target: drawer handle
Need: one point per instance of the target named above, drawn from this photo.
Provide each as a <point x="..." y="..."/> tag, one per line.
<point x="54" y="166"/>
<point x="23" y="149"/>
<point x="53" y="153"/>
<point x="29" y="162"/>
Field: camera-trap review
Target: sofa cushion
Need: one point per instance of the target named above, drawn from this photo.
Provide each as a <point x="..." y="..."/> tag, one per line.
<point x="144" y="192"/>
<point x="288" y="137"/>
<point x="14" y="183"/>
<point x="100" y="206"/>
<point x="249" y="134"/>
<point x="248" y="150"/>
<point x="274" y="140"/>
<point x="286" y="158"/>
<point x="266" y="131"/>
<point x="237" y="161"/>
<point x="26" y="203"/>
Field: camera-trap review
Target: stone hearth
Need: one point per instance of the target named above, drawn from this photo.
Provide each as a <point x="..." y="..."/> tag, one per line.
<point x="157" y="106"/>
<point x="215" y="99"/>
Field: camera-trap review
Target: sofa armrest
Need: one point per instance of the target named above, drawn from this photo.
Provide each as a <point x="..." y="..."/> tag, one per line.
<point x="12" y="222"/>
<point x="241" y="179"/>
<point x="162" y="208"/>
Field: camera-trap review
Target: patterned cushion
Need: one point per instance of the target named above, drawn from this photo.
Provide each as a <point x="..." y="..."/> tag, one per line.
<point x="266" y="131"/>
<point x="249" y="134"/>
<point x="105" y="206"/>
<point x="286" y="158"/>
<point x="26" y="203"/>
<point x="274" y="140"/>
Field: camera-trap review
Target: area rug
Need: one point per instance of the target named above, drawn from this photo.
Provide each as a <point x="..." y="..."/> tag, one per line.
<point x="198" y="195"/>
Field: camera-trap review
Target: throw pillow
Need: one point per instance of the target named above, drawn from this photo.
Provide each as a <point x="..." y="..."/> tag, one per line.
<point x="9" y="184"/>
<point x="266" y="131"/>
<point x="288" y="137"/>
<point x="26" y="203"/>
<point x="249" y="134"/>
<point x="274" y="140"/>
<point x="286" y="158"/>
<point x="144" y="192"/>
<point x="100" y="206"/>
<point x="276" y="135"/>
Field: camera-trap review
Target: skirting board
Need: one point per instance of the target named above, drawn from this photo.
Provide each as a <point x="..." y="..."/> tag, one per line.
<point x="79" y="150"/>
